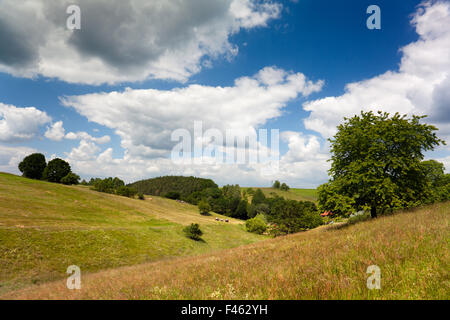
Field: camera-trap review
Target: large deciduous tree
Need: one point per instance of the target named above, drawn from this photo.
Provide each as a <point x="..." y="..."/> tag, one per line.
<point x="33" y="166"/>
<point x="376" y="163"/>
<point x="56" y="170"/>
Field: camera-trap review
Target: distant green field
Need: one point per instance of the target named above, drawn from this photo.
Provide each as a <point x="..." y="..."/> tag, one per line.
<point x="293" y="194"/>
<point x="46" y="227"/>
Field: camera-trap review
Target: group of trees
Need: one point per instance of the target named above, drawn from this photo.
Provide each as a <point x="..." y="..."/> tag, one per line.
<point x="282" y="186"/>
<point x="113" y="186"/>
<point x="377" y="165"/>
<point x="57" y="170"/>
<point x="288" y="216"/>
<point x="173" y="187"/>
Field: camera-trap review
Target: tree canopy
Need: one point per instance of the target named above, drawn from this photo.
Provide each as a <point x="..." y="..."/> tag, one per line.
<point x="56" y="170"/>
<point x="33" y="166"/>
<point x="376" y="163"/>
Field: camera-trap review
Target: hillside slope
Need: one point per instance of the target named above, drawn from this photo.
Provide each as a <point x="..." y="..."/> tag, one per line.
<point x="411" y="249"/>
<point x="46" y="227"/>
<point x="291" y="194"/>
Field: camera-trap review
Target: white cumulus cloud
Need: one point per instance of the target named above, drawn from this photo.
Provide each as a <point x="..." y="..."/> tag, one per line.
<point x="123" y="40"/>
<point x="20" y="124"/>
<point x="55" y="132"/>
<point x="145" y="119"/>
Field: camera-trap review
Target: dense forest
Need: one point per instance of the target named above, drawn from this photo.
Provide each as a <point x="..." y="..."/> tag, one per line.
<point x="175" y="187"/>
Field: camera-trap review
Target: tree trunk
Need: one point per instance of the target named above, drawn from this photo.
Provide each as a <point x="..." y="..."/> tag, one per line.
<point x="373" y="211"/>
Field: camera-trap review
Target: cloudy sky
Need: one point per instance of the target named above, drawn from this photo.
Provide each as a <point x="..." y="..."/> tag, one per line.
<point x="108" y="97"/>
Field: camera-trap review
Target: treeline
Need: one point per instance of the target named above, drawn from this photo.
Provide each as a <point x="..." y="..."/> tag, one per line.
<point x="34" y="166"/>
<point x="175" y="187"/>
<point x="113" y="186"/>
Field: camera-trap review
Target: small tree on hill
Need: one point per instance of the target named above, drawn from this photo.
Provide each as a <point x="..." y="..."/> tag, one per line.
<point x="276" y="184"/>
<point x="204" y="207"/>
<point x="193" y="232"/>
<point x="284" y="187"/>
<point x="33" y="166"/>
<point x="56" y="170"/>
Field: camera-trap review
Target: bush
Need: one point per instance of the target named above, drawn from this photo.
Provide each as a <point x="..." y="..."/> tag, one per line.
<point x="174" y="195"/>
<point x="70" y="178"/>
<point x="284" y="187"/>
<point x="126" y="192"/>
<point x="256" y="225"/>
<point x="108" y="185"/>
<point x="204" y="207"/>
<point x="56" y="170"/>
<point x="141" y="196"/>
<point x="292" y="216"/>
<point x="33" y="166"/>
<point x="276" y="184"/>
<point x="193" y="232"/>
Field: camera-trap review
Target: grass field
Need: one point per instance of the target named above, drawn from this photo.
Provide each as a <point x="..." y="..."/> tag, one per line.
<point x="292" y="194"/>
<point x="330" y="262"/>
<point x="46" y="227"/>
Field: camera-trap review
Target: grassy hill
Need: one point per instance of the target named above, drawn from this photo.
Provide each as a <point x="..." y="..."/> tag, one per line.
<point x="330" y="262"/>
<point x="46" y="227"/>
<point x="292" y="194"/>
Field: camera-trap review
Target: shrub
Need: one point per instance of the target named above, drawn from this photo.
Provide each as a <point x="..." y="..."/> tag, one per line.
<point x="126" y="191"/>
<point x="284" y="187"/>
<point x="204" y="207"/>
<point x="193" y="231"/>
<point x="141" y="196"/>
<point x="33" y="166"/>
<point x="174" y="195"/>
<point x="70" y="178"/>
<point x="256" y="225"/>
<point x="56" y="170"/>
<point x="276" y="184"/>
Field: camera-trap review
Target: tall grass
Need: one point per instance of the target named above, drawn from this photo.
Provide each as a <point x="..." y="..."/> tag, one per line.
<point x="411" y="249"/>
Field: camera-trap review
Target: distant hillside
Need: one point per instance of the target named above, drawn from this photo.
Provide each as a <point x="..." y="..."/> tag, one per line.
<point x="46" y="227"/>
<point x="162" y="185"/>
<point x="410" y="248"/>
<point x="292" y="194"/>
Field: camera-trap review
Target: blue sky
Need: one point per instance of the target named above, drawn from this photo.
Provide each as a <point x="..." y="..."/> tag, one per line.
<point x="327" y="42"/>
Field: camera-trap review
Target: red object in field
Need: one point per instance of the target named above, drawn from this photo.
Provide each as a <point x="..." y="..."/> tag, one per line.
<point x="327" y="213"/>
